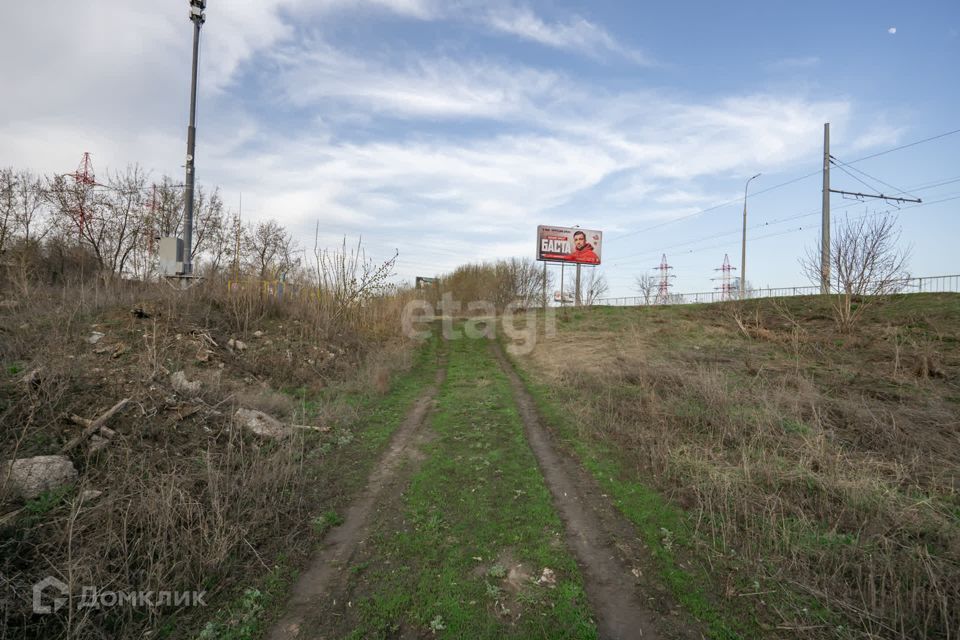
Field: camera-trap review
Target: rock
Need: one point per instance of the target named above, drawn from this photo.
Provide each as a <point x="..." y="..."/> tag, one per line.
<point x="97" y="443"/>
<point x="29" y="477"/>
<point x="236" y="345"/>
<point x="203" y="355"/>
<point x="89" y="495"/>
<point x="261" y="424"/>
<point x="183" y="386"/>
<point x="95" y="337"/>
<point x="548" y="578"/>
<point x="258" y="334"/>
<point x="32" y="378"/>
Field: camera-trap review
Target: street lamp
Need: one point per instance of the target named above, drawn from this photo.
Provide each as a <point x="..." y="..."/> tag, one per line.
<point x="196" y="16"/>
<point x="743" y="246"/>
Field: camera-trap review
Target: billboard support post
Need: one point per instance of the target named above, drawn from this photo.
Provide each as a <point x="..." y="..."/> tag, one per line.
<point x="562" y="265"/>
<point x="544" y="286"/>
<point x="577" y="298"/>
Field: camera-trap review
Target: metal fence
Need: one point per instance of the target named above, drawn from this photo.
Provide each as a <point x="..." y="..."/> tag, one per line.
<point x="927" y="284"/>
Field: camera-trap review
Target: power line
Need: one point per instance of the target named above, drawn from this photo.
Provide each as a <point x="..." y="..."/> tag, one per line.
<point x="703" y="250"/>
<point x="840" y="165"/>
<point x="778" y="186"/>
<point x="905" y="146"/>
<point x="861" y="181"/>
<point x="804" y="215"/>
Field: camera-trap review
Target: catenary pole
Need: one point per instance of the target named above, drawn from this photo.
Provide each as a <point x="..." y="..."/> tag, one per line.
<point x="825" y="222"/>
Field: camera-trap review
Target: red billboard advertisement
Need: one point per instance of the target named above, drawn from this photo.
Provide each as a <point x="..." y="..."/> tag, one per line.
<point x="568" y="244"/>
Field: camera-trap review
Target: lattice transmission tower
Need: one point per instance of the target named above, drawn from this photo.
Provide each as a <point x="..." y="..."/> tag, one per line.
<point x="663" y="289"/>
<point x="83" y="180"/>
<point x="726" y="287"/>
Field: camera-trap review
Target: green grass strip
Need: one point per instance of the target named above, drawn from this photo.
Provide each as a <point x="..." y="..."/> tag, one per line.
<point x="477" y="499"/>
<point x="661" y="525"/>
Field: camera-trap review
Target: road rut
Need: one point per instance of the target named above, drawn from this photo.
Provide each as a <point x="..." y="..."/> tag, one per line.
<point x="602" y="539"/>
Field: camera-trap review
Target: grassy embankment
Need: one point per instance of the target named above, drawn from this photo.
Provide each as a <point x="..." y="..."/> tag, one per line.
<point x="789" y="479"/>
<point x="187" y="500"/>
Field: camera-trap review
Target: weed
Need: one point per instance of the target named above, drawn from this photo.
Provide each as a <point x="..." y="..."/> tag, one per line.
<point x="326" y="521"/>
<point x="801" y="458"/>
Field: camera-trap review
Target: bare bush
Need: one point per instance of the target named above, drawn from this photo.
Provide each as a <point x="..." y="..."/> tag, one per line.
<point x="866" y="261"/>
<point x="515" y="281"/>
<point x="646" y="286"/>
<point x="270" y="250"/>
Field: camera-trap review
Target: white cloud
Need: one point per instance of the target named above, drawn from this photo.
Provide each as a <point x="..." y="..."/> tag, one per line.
<point x="423" y="87"/>
<point x="576" y="34"/>
<point x="879" y="135"/>
<point x="892" y="30"/>
<point x="485" y="147"/>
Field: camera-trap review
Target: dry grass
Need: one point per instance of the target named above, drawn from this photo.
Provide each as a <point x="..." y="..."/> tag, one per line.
<point x="825" y="464"/>
<point x="189" y="501"/>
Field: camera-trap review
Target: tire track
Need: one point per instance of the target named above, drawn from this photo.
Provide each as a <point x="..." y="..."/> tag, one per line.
<point x="324" y="575"/>
<point x="602" y="539"/>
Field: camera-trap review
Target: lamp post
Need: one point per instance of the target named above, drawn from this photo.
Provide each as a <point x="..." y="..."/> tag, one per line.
<point x="743" y="246"/>
<point x="196" y="16"/>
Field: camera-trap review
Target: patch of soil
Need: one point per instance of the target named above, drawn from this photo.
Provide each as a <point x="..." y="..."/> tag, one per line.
<point x="325" y="578"/>
<point x="616" y="567"/>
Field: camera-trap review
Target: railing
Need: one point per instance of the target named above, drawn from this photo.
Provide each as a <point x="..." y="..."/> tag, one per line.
<point x="926" y="284"/>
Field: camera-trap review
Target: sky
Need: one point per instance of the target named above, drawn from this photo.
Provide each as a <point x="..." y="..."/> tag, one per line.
<point x="448" y="130"/>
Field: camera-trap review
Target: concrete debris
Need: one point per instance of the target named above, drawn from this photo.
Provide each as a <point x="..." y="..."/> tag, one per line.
<point x="97" y="443"/>
<point x="183" y="386"/>
<point x="548" y="578"/>
<point x="266" y="426"/>
<point x="261" y="424"/>
<point x="29" y="477"/>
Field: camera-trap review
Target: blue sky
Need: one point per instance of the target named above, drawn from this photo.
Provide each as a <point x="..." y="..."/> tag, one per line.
<point x="450" y="130"/>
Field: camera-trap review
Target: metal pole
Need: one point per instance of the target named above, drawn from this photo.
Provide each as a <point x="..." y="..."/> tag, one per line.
<point x="544" y="285"/>
<point x="825" y="222"/>
<point x="562" y="300"/>
<point x="743" y="244"/>
<point x="578" y="285"/>
<point x="197" y="17"/>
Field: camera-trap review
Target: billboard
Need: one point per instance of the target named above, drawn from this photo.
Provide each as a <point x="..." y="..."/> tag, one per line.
<point x="568" y="244"/>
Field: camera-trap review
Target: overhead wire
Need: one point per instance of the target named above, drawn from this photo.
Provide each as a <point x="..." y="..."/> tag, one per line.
<point x="778" y="186"/>
<point x="699" y="250"/>
<point x="840" y="165"/>
<point x="702" y="250"/>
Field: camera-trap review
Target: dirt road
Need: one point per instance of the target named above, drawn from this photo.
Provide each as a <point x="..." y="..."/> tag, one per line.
<point x="475" y="525"/>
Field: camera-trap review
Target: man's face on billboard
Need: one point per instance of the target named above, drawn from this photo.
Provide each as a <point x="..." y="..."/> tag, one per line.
<point x="579" y="239"/>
